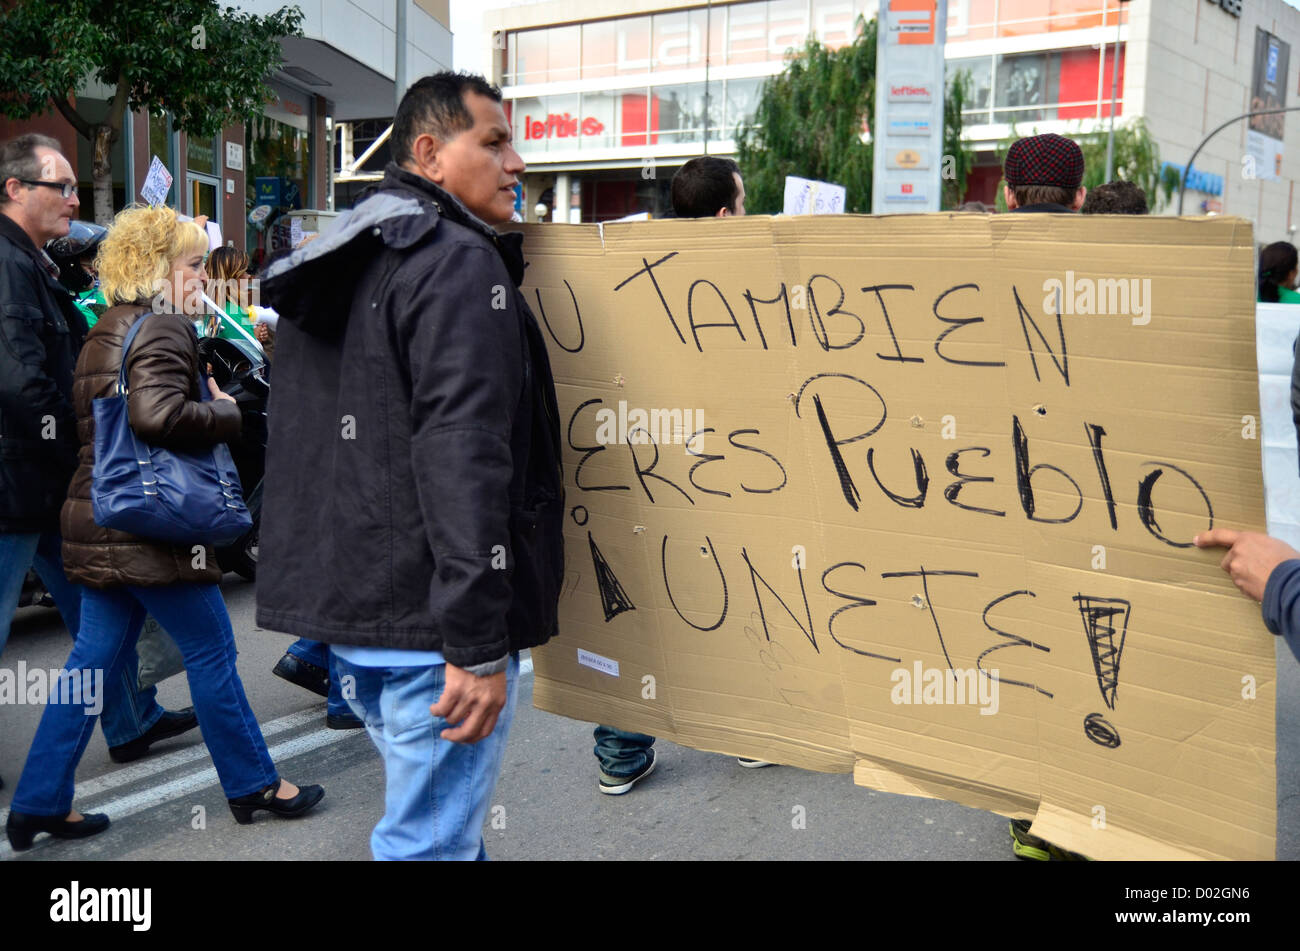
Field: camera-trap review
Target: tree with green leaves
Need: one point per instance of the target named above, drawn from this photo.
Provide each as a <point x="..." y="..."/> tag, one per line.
<point x="810" y="121"/>
<point x="205" y="66"/>
<point x="1136" y="160"/>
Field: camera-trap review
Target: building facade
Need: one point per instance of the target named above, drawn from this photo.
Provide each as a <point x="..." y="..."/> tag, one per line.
<point x="342" y="69"/>
<point x="606" y="108"/>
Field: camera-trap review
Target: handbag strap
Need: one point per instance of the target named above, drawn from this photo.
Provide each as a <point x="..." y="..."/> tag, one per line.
<point x="204" y="396"/>
<point x="126" y="348"/>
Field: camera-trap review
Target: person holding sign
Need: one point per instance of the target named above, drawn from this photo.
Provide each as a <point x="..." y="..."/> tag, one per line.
<point x="1266" y="569"/>
<point x="705" y="187"/>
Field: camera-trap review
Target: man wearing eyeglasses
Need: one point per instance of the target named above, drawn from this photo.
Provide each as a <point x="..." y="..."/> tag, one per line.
<point x="41" y="332"/>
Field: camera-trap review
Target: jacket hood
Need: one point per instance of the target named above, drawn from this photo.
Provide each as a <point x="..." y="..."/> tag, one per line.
<point x="312" y="286"/>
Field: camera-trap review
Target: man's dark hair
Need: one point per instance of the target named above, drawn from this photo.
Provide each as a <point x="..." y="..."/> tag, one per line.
<point x="1116" y="198"/>
<point x="704" y="186"/>
<point x="18" y="159"/>
<point x="436" y="105"/>
<point x="1043" y="195"/>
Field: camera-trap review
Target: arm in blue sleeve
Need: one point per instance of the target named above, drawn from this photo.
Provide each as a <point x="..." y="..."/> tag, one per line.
<point x="1281" y="605"/>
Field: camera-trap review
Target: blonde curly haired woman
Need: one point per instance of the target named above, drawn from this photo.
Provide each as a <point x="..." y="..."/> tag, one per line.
<point x="151" y="269"/>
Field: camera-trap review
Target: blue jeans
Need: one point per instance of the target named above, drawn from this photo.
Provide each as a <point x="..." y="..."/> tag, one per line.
<point x="620" y="753"/>
<point x="129" y="712"/>
<point x="438" y="792"/>
<point x="314" y="652"/>
<point x="195" y="616"/>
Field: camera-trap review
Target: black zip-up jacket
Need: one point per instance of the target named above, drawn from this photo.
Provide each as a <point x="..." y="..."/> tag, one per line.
<point x="41" y="332"/>
<point x="413" y="494"/>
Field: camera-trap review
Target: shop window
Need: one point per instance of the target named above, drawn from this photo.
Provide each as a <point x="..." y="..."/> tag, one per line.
<point x="563" y="53"/>
<point x="747" y="33"/>
<point x="741" y="102"/>
<point x="980" y="70"/>
<point x="600" y="49"/>
<point x="1025" y="87"/>
<point x="531" y="57"/>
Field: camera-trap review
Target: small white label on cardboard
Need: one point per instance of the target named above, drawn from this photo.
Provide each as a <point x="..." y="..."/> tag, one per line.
<point x="157" y="183"/>
<point x="596" y="662"/>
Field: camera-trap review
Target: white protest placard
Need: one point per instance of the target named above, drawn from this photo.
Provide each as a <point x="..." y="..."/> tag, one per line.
<point x="806" y="196"/>
<point x="157" y="183"/>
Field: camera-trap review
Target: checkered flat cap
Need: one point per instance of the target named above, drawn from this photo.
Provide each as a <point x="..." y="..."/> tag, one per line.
<point x="1049" y="159"/>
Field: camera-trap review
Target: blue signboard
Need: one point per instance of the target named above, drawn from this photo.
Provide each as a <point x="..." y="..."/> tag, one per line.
<point x="268" y="190"/>
<point x="1197" y="180"/>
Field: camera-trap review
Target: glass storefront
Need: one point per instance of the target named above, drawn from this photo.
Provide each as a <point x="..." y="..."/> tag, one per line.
<point x="277" y="159"/>
<point x="735" y="34"/>
<point x="1040" y="85"/>
<point x="643" y="115"/>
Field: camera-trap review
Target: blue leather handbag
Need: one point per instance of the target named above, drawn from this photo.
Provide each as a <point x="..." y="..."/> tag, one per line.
<point x="163" y="494"/>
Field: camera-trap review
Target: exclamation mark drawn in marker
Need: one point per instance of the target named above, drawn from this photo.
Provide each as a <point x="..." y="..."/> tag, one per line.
<point x="1103" y="620"/>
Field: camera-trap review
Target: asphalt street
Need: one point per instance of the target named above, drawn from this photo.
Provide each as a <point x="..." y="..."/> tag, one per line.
<point x="546" y="806"/>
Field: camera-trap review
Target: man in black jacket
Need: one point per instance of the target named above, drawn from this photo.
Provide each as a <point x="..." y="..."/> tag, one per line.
<point x="413" y="488"/>
<point x="41" y="331"/>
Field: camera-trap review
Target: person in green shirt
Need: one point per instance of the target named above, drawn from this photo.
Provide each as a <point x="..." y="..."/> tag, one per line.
<point x="74" y="253"/>
<point x="227" y="285"/>
<point x="1277" y="274"/>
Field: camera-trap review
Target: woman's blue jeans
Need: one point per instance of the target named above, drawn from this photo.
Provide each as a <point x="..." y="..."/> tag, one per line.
<point x="129" y="712"/>
<point x="195" y="616"/>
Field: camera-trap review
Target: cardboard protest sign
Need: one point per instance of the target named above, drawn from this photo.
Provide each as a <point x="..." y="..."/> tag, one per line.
<point x="913" y="497"/>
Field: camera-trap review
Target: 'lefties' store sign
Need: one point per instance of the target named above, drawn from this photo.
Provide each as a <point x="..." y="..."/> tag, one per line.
<point x="561" y="126"/>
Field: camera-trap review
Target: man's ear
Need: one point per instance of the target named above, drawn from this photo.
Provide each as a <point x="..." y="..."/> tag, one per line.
<point x="1010" y="197"/>
<point x="1079" y="197"/>
<point x="425" y="158"/>
<point x="723" y="212"/>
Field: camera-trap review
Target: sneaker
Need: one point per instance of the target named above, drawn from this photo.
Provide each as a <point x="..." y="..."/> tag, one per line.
<point x="1025" y="845"/>
<point x="753" y="763"/>
<point x="617" y="785"/>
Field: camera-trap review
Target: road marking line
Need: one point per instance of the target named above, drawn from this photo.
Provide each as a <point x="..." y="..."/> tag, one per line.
<point x="182" y="786"/>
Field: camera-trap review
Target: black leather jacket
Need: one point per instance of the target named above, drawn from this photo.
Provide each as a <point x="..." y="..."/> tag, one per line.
<point x="41" y="332"/>
<point x="413" y="495"/>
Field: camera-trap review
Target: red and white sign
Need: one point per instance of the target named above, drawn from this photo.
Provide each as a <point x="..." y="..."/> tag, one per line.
<point x="561" y="127"/>
<point x="911" y="91"/>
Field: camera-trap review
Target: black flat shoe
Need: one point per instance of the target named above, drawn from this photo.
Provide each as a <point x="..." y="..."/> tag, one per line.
<point x="304" y="674"/>
<point x="244" y="807"/>
<point x="171" y="723"/>
<point x="22" y="828"/>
